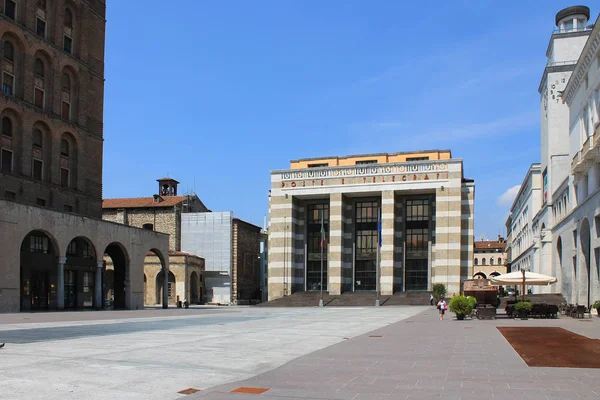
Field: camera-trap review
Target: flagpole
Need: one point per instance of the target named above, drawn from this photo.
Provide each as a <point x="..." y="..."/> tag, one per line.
<point x="322" y="244"/>
<point x="377" y="259"/>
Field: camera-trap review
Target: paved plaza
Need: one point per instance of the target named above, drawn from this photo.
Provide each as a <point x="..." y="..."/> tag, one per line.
<point x="303" y="353"/>
<point x="153" y="354"/>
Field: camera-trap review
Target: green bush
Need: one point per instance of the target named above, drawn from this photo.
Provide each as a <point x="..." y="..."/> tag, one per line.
<point x="460" y="305"/>
<point x="472" y="300"/>
<point x="523" y="305"/>
<point x="439" y="291"/>
<point x="596" y="304"/>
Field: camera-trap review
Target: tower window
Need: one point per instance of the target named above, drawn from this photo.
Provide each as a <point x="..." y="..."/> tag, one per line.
<point x="6" y="126"/>
<point x="65" y="110"/>
<point x="7" y="160"/>
<point x="9" y="51"/>
<point x="38" y="169"/>
<point x="8" y="83"/>
<point x="66" y="82"/>
<point x="149" y="227"/>
<point x="68" y="44"/>
<point x="10" y="9"/>
<point x="38" y="97"/>
<point x="40" y="27"/>
<point x="38" y="68"/>
<point x="68" y="18"/>
<point x="64" y="148"/>
<point x="64" y="177"/>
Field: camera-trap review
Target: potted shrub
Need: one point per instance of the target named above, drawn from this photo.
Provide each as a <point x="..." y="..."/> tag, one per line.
<point x="461" y="306"/>
<point x="472" y="300"/>
<point x="596" y="305"/>
<point x="523" y="308"/>
<point x="439" y="291"/>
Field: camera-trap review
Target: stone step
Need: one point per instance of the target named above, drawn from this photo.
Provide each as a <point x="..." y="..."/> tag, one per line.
<point x="351" y="299"/>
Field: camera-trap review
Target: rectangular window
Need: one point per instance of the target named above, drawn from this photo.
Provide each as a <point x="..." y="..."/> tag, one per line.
<point x="8" y="84"/>
<point x="318" y="165"/>
<point x="72" y="248"/>
<point x="575" y="239"/>
<point x="68" y="44"/>
<point x="68" y="208"/>
<point x="38" y="244"/>
<point x="7" y="160"/>
<point x="38" y="169"/>
<point x="585" y="81"/>
<point x="64" y="177"/>
<point x="66" y="110"/>
<point x="40" y="202"/>
<point x="40" y="27"/>
<point x="10" y="195"/>
<point x="10" y="9"/>
<point x="409" y="159"/>
<point x="364" y="162"/>
<point x="38" y="97"/>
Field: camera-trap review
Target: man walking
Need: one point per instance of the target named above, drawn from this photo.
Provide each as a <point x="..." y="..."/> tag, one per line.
<point x="431" y="298"/>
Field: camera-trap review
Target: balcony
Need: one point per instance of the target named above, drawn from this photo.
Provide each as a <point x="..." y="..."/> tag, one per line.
<point x="596" y="136"/>
<point x="585" y="149"/>
<point x="577" y="164"/>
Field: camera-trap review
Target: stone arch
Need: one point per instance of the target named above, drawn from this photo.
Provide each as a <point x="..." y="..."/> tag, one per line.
<point x="69" y="155"/>
<point x="39" y="271"/>
<point x="115" y="291"/>
<point x="154" y="265"/>
<point x="584" y="281"/>
<point x="160" y="278"/>
<point x="495" y="273"/>
<point x="194" y="288"/>
<point x="80" y="274"/>
<point x="479" y="275"/>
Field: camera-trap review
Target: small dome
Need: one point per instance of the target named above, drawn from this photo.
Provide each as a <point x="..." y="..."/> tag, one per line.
<point x="574" y="10"/>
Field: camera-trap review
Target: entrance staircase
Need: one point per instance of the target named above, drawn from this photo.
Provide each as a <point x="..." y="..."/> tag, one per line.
<point x="350" y="299"/>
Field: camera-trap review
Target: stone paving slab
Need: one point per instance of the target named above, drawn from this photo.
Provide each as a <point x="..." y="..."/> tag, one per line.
<point x="424" y="358"/>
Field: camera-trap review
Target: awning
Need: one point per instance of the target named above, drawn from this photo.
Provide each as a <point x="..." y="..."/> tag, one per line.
<point x="516" y="278"/>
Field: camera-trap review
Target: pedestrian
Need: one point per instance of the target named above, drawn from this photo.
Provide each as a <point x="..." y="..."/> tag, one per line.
<point x="1" y="345"/>
<point x="431" y="299"/>
<point x="442" y="307"/>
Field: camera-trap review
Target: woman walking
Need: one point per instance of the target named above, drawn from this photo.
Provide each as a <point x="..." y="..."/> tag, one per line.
<point x="442" y="306"/>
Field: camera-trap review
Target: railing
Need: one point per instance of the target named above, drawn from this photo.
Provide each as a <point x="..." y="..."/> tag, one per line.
<point x="576" y="161"/>
<point x="551" y="63"/>
<point x="586" y="147"/>
<point x="596" y="137"/>
<point x="578" y="29"/>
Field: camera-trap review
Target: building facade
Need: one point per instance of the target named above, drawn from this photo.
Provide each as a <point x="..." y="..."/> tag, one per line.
<point x="162" y="212"/>
<point x="576" y="232"/>
<point x="489" y="258"/>
<point x="420" y="203"/>
<point x="231" y="248"/>
<point x="51" y="112"/>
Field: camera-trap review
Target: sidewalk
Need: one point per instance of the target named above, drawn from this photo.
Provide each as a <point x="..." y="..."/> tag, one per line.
<point x="424" y="358"/>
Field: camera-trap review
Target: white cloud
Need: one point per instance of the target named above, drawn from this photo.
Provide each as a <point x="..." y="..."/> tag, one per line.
<point x="506" y="199"/>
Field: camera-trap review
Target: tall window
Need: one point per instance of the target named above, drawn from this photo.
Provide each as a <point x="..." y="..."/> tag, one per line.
<point x="476" y="261"/>
<point x="499" y="261"/>
<point x="68" y="31"/>
<point x="40" y="27"/>
<point x="366" y="239"/>
<point x="6" y="159"/>
<point x="38" y="244"/>
<point x="66" y="98"/>
<point x="483" y="261"/>
<point x="39" y="93"/>
<point x="7" y="126"/>
<point x="8" y="79"/>
<point x="64" y="164"/>
<point x="37" y="162"/>
<point x="316" y="245"/>
<point x="10" y="9"/>
<point x="491" y="260"/>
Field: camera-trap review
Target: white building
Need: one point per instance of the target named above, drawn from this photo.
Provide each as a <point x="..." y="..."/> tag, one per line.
<point x="576" y="233"/>
<point x="564" y="49"/>
<point x="526" y="204"/>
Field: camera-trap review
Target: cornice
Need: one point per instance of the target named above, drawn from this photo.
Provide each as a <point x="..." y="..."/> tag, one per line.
<point x="583" y="64"/>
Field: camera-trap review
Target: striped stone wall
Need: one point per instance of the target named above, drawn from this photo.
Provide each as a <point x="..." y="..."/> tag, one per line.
<point x="347" y="245"/>
<point x="399" y="204"/>
<point x="334" y="258"/>
<point x="467" y="229"/>
<point x="386" y="280"/>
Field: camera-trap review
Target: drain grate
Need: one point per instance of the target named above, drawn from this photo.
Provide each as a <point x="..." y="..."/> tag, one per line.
<point x="249" y="390"/>
<point x="376" y="336"/>
<point x="584" y="320"/>
<point x="188" y="391"/>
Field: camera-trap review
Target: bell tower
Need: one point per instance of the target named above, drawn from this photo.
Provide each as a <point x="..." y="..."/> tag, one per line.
<point x="167" y="187"/>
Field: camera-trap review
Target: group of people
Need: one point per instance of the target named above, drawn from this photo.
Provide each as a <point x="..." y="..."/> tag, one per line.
<point x="442" y="306"/>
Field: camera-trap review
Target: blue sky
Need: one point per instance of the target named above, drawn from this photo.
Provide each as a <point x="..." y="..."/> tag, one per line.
<point x="217" y="94"/>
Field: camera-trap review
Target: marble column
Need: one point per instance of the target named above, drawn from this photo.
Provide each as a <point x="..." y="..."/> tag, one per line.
<point x="60" y="284"/>
<point x="98" y="300"/>
<point x="165" y="288"/>
<point x="386" y="263"/>
<point x="334" y="258"/>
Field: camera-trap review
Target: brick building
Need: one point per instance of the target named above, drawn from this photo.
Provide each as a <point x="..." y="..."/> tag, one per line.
<point x="51" y="141"/>
<point x="489" y="258"/>
<point x="162" y="213"/>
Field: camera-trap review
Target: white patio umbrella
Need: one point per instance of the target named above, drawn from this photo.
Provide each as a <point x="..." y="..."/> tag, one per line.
<point x="524" y="278"/>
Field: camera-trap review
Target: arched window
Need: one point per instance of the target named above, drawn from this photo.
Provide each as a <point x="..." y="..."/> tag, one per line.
<point x="68" y="18"/>
<point x="64" y="148"/>
<point x="483" y="261"/>
<point x="491" y="260"/>
<point x="39" y="68"/>
<point x="37" y="164"/>
<point x="7" y="126"/>
<point x="499" y="261"/>
<point x="9" y="51"/>
<point x="66" y="82"/>
<point x="476" y="261"/>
